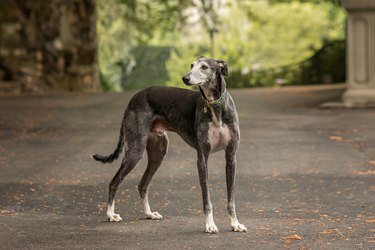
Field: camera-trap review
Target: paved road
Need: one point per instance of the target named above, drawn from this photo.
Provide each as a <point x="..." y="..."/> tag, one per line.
<point x="305" y="178"/>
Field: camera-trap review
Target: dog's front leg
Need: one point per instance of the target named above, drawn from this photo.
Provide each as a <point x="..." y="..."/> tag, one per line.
<point x="230" y="169"/>
<point x="203" y="179"/>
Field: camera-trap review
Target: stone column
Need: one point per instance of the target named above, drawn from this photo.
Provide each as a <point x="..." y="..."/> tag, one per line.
<point x="360" y="53"/>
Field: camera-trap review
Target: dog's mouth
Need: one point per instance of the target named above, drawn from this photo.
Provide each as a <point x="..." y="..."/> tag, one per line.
<point x="193" y="84"/>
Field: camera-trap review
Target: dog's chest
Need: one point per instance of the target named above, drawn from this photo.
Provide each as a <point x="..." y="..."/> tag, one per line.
<point x="218" y="136"/>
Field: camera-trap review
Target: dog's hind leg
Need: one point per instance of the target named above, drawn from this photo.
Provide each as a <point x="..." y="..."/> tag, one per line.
<point x="157" y="146"/>
<point x="128" y="163"/>
<point x="135" y="144"/>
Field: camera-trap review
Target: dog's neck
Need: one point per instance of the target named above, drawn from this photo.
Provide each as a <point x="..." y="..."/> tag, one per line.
<point x="214" y="90"/>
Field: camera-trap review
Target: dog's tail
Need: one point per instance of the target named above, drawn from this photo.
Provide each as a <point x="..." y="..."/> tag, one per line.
<point x="110" y="158"/>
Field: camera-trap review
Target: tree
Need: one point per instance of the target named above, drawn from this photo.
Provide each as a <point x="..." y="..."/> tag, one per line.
<point x="263" y="33"/>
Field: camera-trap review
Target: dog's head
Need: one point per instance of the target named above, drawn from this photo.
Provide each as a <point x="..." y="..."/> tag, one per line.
<point x="205" y="70"/>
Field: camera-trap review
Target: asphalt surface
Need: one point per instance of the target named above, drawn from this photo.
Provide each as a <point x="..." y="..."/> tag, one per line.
<point x="306" y="176"/>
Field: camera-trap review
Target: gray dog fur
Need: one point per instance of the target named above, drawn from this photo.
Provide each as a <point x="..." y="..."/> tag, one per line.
<point x="206" y="120"/>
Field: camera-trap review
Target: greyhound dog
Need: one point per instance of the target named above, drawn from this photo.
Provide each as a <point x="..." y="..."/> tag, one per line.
<point x="206" y="120"/>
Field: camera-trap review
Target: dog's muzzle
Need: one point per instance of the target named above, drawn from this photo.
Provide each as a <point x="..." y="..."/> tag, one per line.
<point x="186" y="80"/>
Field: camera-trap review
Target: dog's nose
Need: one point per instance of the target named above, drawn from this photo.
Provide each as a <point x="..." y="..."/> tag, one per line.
<point x="186" y="79"/>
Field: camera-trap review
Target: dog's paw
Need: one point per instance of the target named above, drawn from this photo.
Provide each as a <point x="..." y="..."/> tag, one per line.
<point x="114" y="218"/>
<point x="238" y="227"/>
<point x="211" y="229"/>
<point x="154" y="216"/>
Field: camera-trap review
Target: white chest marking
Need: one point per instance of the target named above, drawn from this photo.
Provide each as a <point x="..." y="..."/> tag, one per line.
<point x="218" y="136"/>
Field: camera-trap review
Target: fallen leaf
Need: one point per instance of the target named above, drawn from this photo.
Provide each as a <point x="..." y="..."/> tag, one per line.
<point x="368" y="172"/>
<point x="372" y="162"/>
<point x="333" y="231"/>
<point x="371" y="221"/>
<point x="336" y="138"/>
<point x="293" y="237"/>
<point x="4" y="211"/>
<point x="101" y="208"/>
<point x="329" y="231"/>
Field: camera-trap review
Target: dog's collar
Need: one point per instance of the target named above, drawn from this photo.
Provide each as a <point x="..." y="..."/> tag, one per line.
<point x="216" y="102"/>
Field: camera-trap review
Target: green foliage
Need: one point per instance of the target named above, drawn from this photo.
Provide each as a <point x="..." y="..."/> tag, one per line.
<point x="264" y="35"/>
<point x="150" y="68"/>
<point x="327" y="65"/>
<point x="126" y="24"/>
<point x="115" y="41"/>
<point x="248" y="34"/>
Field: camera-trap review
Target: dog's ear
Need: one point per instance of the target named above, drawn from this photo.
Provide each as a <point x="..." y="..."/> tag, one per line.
<point x="223" y="67"/>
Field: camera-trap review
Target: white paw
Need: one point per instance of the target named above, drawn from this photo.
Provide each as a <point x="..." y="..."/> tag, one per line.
<point x="238" y="227"/>
<point x="154" y="216"/>
<point x="114" y="217"/>
<point x="211" y="229"/>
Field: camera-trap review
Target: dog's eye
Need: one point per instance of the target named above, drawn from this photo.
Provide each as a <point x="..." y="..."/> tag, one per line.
<point x="191" y="66"/>
<point x="204" y="67"/>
